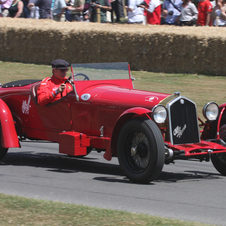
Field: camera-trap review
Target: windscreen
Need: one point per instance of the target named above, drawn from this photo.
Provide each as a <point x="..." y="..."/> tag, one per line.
<point x="101" y="71"/>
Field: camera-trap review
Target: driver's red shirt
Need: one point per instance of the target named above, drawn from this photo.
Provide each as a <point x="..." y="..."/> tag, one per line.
<point x="47" y="88"/>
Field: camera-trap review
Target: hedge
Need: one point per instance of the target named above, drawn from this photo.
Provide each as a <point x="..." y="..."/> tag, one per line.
<point x="157" y="48"/>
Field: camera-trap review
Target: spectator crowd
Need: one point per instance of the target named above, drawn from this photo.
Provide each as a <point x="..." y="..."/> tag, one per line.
<point x="167" y="12"/>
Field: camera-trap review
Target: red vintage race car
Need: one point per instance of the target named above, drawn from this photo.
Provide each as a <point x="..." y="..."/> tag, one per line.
<point x="104" y="113"/>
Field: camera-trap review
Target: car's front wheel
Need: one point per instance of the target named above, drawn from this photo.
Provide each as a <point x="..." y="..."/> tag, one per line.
<point x="140" y="150"/>
<point x="219" y="159"/>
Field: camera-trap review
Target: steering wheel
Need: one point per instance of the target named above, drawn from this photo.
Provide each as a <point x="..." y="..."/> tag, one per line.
<point x="81" y="74"/>
<point x="68" y="80"/>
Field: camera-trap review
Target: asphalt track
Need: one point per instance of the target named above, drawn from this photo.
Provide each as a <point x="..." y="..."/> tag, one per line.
<point x="187" y="190"/>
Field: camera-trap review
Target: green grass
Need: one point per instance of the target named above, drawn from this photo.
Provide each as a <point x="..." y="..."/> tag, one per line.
<point x="24" y="211"/>
<point x="10" y="71"/>
<point x="199" y="88"/>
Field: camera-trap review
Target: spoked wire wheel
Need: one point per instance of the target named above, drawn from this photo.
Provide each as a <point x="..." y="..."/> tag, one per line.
<point x="140" y="150"/>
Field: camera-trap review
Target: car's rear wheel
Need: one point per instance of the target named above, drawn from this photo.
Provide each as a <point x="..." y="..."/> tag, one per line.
<point x="3" y="152"/>
<point x="140" y="150"/>
<point x="219" y="159"/>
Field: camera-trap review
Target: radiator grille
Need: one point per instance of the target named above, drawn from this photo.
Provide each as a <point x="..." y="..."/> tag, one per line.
<point x="183" y="121"/>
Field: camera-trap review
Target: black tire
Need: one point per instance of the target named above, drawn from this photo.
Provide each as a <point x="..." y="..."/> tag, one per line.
<point x="219" y="160"/>
<point x="140" y="150"/>
<point x="3" y="152"/>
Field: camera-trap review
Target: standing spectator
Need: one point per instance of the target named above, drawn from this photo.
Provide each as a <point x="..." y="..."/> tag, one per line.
<point x="68" y="12"/>
<point x="153" y="11"/>
<point x="115" y="5"/>
<point x="171" y="11"/>
<point x="189" y="14"/>
<point x="5" y="4"/>
<point x="104" y="6"/>
<point x="26" y="11"/>
<point x="135" y="13"/>
<point x="77" y="10"/>
<point x="16" y="9"/>
<point x="86" y="11"/>
<point x="145" y="12"/>
<point x="44" y="8"/>
<point x="34" y="12"/>
<point x="204" y="9"/>
<point x="121" y="8"/>
<point x="218" y="14"/>
<point x="58" y="10"/>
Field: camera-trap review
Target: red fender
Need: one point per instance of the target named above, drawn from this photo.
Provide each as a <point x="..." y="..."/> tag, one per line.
<point x="222" y="105"/>
<point x="130" y="113"/>
<point x="9" y="136"/>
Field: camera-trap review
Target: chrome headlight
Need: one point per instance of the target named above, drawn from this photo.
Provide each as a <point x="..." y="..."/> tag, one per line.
<point x="210" y="111"/>
<point x="159" y="114"/>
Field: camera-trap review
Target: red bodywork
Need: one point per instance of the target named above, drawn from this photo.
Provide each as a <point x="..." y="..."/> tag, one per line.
<point x="105" y="107"/>
<point x="212" y="129"/>
<point x="94" y="121"/>
<point x="9" y="136"/>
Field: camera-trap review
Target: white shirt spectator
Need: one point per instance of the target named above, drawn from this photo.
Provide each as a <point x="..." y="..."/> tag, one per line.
<point x="153" y="4"/>
<point x="137" y="13"/>
<point x="58" y="5"/>
<point x="189" y="12"/>
<point x="218" y="21"/>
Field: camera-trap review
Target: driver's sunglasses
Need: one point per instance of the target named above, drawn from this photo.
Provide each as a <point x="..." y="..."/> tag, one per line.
<point x="66" y="69"/>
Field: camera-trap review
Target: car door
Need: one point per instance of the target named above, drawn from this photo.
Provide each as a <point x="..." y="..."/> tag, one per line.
<point x="56" y="116"/>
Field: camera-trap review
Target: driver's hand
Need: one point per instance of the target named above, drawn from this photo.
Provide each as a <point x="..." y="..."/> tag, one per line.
<point x="61" y="88"/>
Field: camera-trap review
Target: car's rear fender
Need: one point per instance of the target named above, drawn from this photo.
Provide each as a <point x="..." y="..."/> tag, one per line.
<point x="126" y="115"/>
<point x="9" y="136"/>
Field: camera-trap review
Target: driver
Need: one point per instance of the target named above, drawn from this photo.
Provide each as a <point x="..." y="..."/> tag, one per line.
<point x="52" y="89"/>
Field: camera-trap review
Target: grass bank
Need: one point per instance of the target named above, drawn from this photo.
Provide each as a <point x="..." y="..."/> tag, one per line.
<point x="23" y="211"/>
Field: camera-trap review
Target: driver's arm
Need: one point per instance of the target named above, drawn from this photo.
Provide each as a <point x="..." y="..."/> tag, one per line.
<point x="45" y="94"/>
<point x="48" y="92"/>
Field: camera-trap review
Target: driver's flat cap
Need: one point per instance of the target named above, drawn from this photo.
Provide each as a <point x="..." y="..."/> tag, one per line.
<point x="60" y="64"/>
